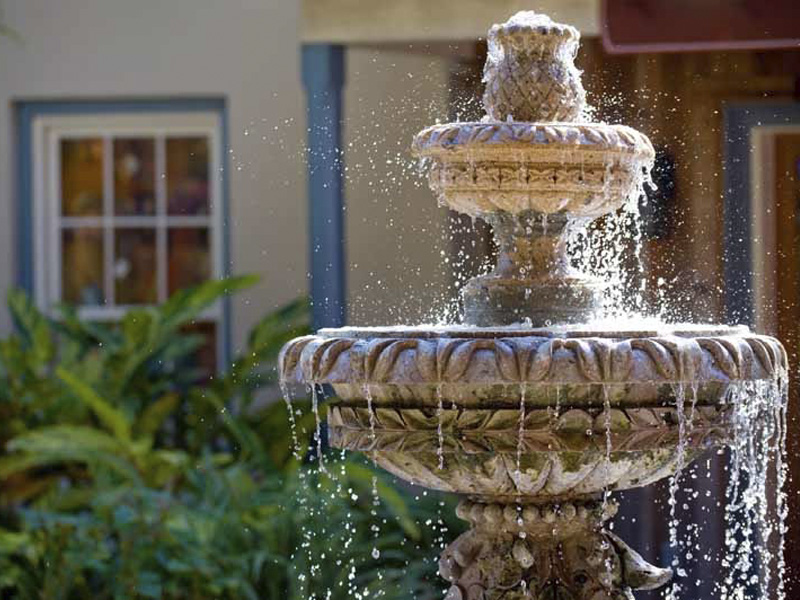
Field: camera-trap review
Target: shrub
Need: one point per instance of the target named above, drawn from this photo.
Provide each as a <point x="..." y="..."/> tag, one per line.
<point x="125" y="474"/>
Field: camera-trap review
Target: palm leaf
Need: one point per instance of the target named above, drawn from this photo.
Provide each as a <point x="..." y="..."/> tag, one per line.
<point x="59" y="444"/>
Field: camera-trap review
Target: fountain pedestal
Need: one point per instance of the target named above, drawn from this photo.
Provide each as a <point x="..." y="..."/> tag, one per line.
<point x="532" y="282"/>
<point x="555" y="550"/>
<point x="525" y="412"/>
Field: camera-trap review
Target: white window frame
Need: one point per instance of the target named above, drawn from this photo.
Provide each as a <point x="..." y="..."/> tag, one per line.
<point x="49" y="130"/>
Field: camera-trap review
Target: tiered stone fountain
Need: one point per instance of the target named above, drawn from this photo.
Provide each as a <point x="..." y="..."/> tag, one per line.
<point x="533" y="423"/>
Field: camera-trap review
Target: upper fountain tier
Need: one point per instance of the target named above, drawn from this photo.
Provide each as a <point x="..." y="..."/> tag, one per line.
<point x="528" y="167"/>
<point x="532" y="151"/>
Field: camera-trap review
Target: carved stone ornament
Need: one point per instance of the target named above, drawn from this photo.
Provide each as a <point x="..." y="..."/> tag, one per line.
<point x="530" y="74"/>
<point x="543" y="551"/>
<point x="534" y="424"/>
<point x="586" y="169"/>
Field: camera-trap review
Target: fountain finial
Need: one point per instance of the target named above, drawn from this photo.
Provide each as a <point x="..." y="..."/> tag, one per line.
<point x="530" y="74"/>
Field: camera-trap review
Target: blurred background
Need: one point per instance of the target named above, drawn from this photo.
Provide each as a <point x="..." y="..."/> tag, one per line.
<point x="148" y="147"/>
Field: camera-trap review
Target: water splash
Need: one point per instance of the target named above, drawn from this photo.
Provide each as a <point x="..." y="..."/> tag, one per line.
<point x="610" y="249"/>
<point x="755" y="519"/>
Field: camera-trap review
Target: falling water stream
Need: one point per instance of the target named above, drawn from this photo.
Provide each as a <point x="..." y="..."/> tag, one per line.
<point x="520" y="433"/>
<point x="440" y="426"/>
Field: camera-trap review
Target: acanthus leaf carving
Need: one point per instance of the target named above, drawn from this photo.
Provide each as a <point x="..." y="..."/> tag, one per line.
<point x="668" y="359"/>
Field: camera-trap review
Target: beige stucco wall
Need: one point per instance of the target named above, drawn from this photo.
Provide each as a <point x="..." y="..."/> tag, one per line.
<point x="246" y="51"/>
<point x="395" y="228"/>
<point x="360" y="21"/>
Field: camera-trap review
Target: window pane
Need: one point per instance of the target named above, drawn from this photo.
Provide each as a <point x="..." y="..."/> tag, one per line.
<point x="134" y="176"/>
<point x="135" y="266"/>
<point x="187" y="176"/>
<point x="82" y="266"/>
<point x="82" y="177"/>
<point x="188" y="256"/>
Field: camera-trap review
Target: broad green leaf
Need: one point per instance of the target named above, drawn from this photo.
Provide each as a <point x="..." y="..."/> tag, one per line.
<point x="154" y="415"/>
<point x="188" y="304"/>
<point x="11" y="542"/>
<point x="32" y="325"/>
<point x="114" y="419"/>
<point x="61" y="444"/>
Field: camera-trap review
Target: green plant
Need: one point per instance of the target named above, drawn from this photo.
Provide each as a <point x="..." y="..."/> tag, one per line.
<point x="125" y="475"/>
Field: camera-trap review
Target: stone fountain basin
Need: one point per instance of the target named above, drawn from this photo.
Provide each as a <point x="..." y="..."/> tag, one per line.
<point x="512" y="411"/>
<point x="584" y="169"/>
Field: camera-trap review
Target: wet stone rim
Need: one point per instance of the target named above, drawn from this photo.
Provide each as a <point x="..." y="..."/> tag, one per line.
<point x="508" y="360"/>
<point x="533" y="137"/>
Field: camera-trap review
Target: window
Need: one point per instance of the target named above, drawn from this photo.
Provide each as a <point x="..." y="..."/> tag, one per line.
<point x="127" y="210"/>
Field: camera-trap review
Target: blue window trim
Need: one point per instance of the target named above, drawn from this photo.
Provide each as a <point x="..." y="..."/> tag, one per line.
<point x="25" y="111"/>
<point x="739" y="120"/>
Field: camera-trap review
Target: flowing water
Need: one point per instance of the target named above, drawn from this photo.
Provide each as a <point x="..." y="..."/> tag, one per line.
<point x="521" y="432"/>
<point x="755" y="513"/>
<point x="440" y="426"/>
<point x="679" y="393"/>
<point x="317" y="426"/>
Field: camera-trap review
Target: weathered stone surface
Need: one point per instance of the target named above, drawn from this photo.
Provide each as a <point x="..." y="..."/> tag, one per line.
<point x="459" y="361"/>
<point x="543" y="552"/>
<point x="530" y="74"/>
<point x="583" y="169"/>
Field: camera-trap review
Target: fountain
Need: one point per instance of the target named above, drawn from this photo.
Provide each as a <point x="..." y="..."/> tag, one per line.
<point x="528" y="411"/>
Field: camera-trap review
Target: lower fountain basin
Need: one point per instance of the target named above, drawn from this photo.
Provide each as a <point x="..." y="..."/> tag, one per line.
<point x="546" y="413"/>
<point x="547" y="453"/>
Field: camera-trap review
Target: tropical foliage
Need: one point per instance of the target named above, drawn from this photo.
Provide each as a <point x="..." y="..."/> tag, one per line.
<point x="126" y="473"/>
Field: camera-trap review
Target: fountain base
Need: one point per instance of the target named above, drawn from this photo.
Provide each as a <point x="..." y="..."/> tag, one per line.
<point x="536" y="551"/>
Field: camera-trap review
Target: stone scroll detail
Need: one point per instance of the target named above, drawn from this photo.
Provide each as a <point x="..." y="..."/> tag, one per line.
<point x="473" y="431"/>
<point x="479" y="188"/>
<point x="408" y="360"/>
<point x="499" y="177"/>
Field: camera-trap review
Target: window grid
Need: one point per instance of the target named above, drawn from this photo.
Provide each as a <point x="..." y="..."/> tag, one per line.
<point x="109" y="222"/>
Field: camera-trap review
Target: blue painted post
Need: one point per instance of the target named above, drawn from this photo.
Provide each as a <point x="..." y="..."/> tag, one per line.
<point x="323" y="78"/>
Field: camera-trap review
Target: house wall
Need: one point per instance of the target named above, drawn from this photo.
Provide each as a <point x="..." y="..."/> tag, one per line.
<point x="247" y="52"/>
